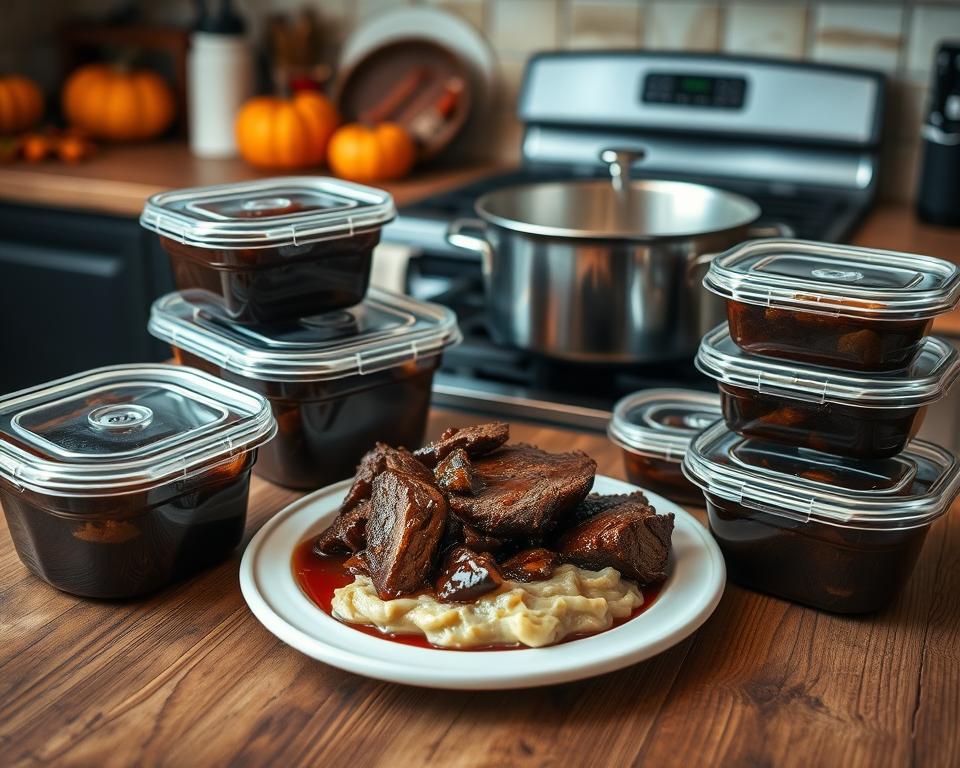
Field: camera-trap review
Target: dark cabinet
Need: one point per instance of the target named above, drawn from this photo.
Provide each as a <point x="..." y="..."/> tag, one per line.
<point x="75" y="293"/>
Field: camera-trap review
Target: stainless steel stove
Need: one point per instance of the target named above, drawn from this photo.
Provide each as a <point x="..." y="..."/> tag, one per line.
<point x="801" y="139"/>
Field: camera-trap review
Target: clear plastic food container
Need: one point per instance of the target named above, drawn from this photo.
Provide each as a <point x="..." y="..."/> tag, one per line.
<point x="835" y="305"/>
<point x="653" y="429"/>
<point x="337" y="383"/>
<point x="834" y="533"/>
<point x="119" y="480"/>
<point x="852" y="414"/>
<point x="275" y="249"/>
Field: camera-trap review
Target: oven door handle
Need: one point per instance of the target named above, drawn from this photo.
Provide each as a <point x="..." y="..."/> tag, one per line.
<point x="458" y="235"/>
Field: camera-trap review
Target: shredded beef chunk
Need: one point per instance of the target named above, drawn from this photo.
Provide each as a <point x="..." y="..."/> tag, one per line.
<point x="629" y="536"/>
<point x="356" y="564"/>
<point x="596" y="504"/>
<point x="476" y="441"/>
<point x="378" y="459"/>
<point x="530" y="565"/>
<point x="347" y="533"/>
<point x="467" y="575"/>
<point x="458" y="534"/>
<point x="403" y="532"/>
<point x="521" y="491"/>
<point x="454" y="473"/>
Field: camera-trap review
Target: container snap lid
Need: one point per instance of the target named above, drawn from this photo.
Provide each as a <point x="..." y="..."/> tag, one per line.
<point x="288" y="210"/>
<point x="126" y="427"/>
<point x="384" y="331"/>
<point x="660" y="423"/>
<point x="928" y="378"/>
<point x="839" y="280"/>
<point x="908" y="490"/>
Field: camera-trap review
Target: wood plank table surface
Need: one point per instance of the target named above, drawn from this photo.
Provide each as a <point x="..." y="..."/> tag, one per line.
<point x="188" y="677"/>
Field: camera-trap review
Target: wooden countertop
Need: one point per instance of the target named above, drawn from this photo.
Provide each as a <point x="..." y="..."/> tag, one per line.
<point x="119" y="179"/>
<point x="189" y="677"/>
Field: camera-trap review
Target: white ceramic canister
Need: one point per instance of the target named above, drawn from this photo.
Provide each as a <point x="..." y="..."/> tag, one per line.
<point x="219" y="80"/>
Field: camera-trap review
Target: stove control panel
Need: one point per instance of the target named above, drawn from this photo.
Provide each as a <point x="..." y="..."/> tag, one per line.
<point x="694" y="90"/>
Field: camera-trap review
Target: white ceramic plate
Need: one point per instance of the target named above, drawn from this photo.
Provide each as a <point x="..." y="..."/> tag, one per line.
<point x="687" y="599"/>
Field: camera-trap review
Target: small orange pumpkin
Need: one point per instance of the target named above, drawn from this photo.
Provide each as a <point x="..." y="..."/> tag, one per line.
<point x="377" y="153"/>
<point x="21" y="104"/>
<point x="286" y="133"/>
<point x="117" y="103"/>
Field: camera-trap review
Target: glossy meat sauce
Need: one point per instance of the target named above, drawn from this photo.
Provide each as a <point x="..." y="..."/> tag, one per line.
<point x="318" y="577"/>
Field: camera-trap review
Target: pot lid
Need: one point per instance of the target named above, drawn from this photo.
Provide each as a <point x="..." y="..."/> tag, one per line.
<point x="840" y="280"/>
<point x="126" y="427"/>
<point x="929" y="377"/>
<point x="287" y="210"/>
<point x="906" y="491"/>
<point x="385" y="330"/>
<point x="660" y="423"/>
<point x="642" y="210"/>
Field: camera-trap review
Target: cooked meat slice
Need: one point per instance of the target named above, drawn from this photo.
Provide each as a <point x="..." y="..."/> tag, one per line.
<point x="371" y="464"/>
<point x="476" y="441"/>
<point x="459" y="534"/>
<point x="347" y="533"/>
<point x="357" y="565"/>
<point x="530" y="565"/>
<point x="454" y="473"/>
<point x="403" y="532"/>
<point x="379" y="458"/>
<point x="595" y="504"/>
<point x="629" y="536"/>
<point x="467" y="575"/>
<point x="521" y="490"/>
<point x="479" y="541"/>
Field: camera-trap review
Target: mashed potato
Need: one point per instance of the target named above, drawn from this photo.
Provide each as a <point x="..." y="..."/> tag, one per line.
<point x="540" y="613"/>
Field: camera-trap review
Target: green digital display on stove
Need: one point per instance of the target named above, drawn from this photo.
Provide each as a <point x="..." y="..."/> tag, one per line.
<point x="693" y="90"/>
<point x="695" y="85"/>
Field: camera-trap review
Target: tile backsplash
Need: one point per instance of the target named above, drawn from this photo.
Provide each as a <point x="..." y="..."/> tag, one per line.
<point x="897" y="37"/>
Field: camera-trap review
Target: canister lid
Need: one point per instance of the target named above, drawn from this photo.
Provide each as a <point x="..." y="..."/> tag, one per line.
<point x="839" y="280"/>
<point x="126" y="427"/>
<point x="287" y="210"/>
<point x="660" y="423"/>
<point x="385" y="330"/>
<point x="906" y="491"/>
<point x="929" y="377"/>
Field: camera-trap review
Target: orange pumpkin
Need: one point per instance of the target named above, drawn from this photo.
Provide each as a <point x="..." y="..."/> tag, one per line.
<point x="377" y="153"/>
<point x="21" y="104"/>
<point x="286" y="133"/>
<point x="116" y="103"/>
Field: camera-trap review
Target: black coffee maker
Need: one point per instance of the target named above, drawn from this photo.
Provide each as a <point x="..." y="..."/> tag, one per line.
<point x="938" y="196"/>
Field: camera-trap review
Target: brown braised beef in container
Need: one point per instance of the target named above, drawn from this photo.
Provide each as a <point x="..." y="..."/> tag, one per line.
<point x="837" y="534"/>
<point x="653" y="428"/>
<point x="120" y="480"/>
<point x="852" y="414"/>
<point x="833" y="305"/>
<point x="336" y="382"/>
<point x="275" y="249"/>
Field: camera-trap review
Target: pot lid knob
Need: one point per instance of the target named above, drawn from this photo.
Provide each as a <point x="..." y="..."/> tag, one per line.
<point x="620" y="161"/>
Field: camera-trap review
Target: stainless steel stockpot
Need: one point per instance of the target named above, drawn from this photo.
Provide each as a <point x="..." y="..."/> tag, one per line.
<point x="591" y="271"/>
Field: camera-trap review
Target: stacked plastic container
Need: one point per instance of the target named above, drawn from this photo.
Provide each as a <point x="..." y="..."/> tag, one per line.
<point x="816" y="490"/>
<point x="272" y="279"/>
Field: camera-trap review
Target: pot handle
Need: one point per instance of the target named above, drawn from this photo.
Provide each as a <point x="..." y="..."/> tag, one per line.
<point x="777" y="229"/>
<point x="457" y="235"/>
